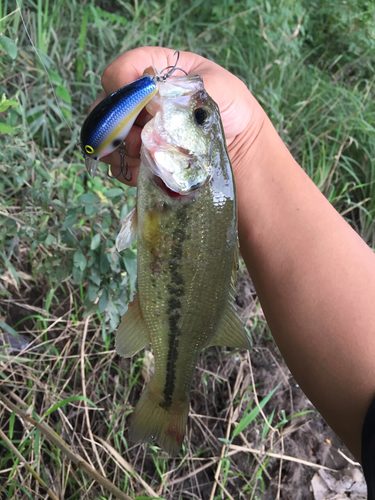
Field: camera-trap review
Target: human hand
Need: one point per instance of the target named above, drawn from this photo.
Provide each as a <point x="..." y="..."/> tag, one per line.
<point x="241" y="114"/>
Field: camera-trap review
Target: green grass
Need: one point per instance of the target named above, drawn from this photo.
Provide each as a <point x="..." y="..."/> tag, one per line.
<point x="311" y="65"/>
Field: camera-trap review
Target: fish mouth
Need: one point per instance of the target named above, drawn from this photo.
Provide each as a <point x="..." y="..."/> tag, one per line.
<point x="168" y="191"/>
<point x="171" y="186"/>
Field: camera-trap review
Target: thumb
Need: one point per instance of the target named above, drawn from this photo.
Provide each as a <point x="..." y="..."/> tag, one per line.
<point x="131" y="66"/>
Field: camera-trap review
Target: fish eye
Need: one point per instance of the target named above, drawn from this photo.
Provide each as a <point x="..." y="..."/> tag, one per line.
<point x="200" y="115"/>
<point x="89" y="150"/>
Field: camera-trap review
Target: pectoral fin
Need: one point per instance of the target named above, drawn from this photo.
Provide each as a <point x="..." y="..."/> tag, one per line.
<point x="128" y="232"/>
<point x="132" y="334"/>
<point x="231" y="331"/>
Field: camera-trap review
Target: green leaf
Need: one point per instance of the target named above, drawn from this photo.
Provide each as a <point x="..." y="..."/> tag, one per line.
<point x="89" y="309"/>
<point x="247" y="419"/>
<point x="122" y="308"/>
<point x="77" y="275"/>
<point x="63" y="93"/>
<point x="88" y="198"/>
<point x="8" y="329"/>
<point x="103" y="301"/>
<point x="69" y="221"/>
<point x="113" y="316"/>
<point x="9" y="45"/>
<point x="12" y="420"/>
<point x="58" y="203"/>
<point x="89" y="209"/>
<point x="95" y="278"/>
<point x="130" y="261"/>
<point x="66" y="402"/>
<point x="55" y="77"/>
<point x="80" y="260"/>
<point x="112" y="193"/>
<point x="49" y="240"/>
<point x="114" y="261"/>
<point x="92" y="292"/>
<point x="95" y="242"/>
<point x="6" y="129"/>
<point x="11" y="267"/>
<point x="5" y="103"/>
<point x="104" y="264"/>
<point x="125" y="209"/>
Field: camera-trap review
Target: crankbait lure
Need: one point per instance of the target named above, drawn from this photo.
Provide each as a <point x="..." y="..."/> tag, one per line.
<point x="109" y="123"/>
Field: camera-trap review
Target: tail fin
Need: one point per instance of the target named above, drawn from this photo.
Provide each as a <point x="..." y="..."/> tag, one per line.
<point x="151" y="421"/>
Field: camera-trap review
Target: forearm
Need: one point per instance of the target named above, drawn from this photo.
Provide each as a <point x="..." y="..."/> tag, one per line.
<point x="316" y="282"/>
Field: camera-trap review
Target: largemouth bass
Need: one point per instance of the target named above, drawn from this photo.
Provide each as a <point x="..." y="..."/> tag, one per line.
<point x="186" y="222"/>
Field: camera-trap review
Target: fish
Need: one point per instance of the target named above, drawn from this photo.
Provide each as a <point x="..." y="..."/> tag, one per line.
<point x="185" y="220"/>
<point x="109" y="123"/>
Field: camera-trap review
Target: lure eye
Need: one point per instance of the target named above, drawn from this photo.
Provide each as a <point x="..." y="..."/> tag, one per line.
<point x="200" y="115"/>
<point x="89" y="150"/>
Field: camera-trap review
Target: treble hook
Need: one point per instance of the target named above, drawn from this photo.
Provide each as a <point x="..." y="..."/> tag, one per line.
<point x="163" y="78"/>
<point x="122" y="151"/>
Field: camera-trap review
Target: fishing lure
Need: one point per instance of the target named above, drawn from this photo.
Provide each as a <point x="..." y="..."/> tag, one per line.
<point x="109" y="123"/>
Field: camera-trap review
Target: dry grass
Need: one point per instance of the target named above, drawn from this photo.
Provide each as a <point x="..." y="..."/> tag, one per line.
<point x="65" y="402"/>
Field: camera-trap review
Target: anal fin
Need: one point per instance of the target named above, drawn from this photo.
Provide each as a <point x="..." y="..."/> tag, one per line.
<point x="230" y="331"/>
<point x="132" y="334"/>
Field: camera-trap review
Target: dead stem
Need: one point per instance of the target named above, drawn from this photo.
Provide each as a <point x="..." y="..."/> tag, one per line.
<point x="279" y="456"/>
<point x="50" y="434"/>
<point x="28" y="466"/>
<point x="83" y="379"/>
<point x="127" y="468"/>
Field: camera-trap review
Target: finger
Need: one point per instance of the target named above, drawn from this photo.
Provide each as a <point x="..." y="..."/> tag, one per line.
<point x="100" y="97"/>
<point x="133" y="142"/>
<point x="131" y="65"/>
<point x="142" y="118"/>
<point x="131" y="158"/>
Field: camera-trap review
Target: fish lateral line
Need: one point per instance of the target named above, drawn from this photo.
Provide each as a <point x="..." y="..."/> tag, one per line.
<point x="174" y="305"/>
